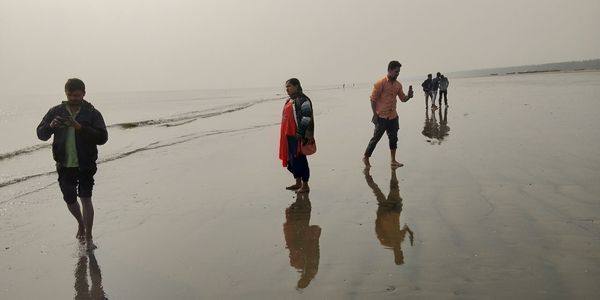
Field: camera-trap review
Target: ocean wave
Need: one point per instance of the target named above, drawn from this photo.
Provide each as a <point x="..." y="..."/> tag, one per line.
<point x="172" y="121"/>
<point x="152" y="146"/>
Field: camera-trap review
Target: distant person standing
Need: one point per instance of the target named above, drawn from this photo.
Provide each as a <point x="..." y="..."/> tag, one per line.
<point x="444" y="83"/>
<point x="78" y="129"/>
<point x="297" y="129"/>
<point x="385" y="117"/>
<point x="427" y="89"/>
<point x="435" y="84"/>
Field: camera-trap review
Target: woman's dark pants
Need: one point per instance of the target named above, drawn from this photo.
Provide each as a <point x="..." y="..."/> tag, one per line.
<point x="297" y="163"/>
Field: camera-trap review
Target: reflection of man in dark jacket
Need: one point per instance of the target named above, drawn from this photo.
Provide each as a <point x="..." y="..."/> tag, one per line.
<point x="78" y="128"/>
<point x="430" y="125"/>
<point x="387" y="224"/>
<point x="82" y="286"/>
<point x="427" y="89"/>
<point x="302" y="240"/>
<point x="444" y="129"/>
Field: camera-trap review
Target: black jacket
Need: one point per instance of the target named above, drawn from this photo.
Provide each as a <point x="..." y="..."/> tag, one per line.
<point x="92" y="133"/>
<point x="426" y="85"/>
<point x="304" y="115"/>
<point x="435" y="84"/>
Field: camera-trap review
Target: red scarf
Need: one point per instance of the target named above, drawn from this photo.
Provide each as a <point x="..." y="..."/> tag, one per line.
<point x="288" y="128"/>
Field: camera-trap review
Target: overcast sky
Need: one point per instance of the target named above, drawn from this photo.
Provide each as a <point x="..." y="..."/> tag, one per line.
<point x="125" y="45"/>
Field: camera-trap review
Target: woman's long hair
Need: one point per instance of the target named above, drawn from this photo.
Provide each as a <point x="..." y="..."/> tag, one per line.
<point x="295" y="82"/>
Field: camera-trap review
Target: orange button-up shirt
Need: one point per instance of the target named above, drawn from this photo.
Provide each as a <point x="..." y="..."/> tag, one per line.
<point x="384" y="95"/>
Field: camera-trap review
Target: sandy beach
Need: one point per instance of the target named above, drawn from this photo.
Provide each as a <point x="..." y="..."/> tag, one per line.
<point x="498" y="198"/>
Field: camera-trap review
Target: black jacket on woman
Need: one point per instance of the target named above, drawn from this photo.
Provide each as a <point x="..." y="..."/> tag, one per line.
<point x="304" y="115"/>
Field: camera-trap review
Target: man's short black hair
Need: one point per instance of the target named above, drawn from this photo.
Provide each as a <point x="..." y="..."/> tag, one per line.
<point x="394" y="64"/>
<point x="74" y="84"/>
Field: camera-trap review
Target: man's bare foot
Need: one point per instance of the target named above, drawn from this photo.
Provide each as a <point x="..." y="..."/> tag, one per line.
<point x="293" y="187"/>
<point x="366" y="162"/>
<point x="396" y="164"/>
<point x="80" y="233"/>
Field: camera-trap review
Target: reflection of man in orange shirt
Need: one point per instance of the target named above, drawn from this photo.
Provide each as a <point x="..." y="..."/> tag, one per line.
<point x="385" y="118"/>
<point x="387" y="224"/>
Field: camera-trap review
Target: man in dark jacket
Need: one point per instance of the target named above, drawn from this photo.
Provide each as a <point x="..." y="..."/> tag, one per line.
<point x="444" y="83"/>
<point x="78" y="128"/>
<point x="427" y="89"/>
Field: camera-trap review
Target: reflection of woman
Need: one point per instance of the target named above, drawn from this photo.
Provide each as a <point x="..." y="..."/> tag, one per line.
<point x="297" y="128"/>
<point x="302" y="240"/>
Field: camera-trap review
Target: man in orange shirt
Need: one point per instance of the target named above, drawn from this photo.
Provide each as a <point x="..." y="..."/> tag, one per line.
<point x="385" y="118"/>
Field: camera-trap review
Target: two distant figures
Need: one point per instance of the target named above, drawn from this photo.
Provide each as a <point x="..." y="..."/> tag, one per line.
<point x="431" y="87"/>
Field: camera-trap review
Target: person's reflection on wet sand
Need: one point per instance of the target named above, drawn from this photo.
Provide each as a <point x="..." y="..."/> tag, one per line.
<point x="387" y="224"/>
<point x="302" y="240"/>
<point x="82" y="287"/>
<point x="432" y="129"/>
<point x="443" y="129"/>
<point x="430" y="125"/>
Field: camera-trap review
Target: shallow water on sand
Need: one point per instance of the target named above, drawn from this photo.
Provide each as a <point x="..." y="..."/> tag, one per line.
<point x="498" y="198"/>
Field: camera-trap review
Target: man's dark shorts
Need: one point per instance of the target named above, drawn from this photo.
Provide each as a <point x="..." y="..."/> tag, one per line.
<point x="74" y="182"/>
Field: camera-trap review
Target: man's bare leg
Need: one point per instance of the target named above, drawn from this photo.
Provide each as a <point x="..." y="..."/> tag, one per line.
<point x="305" y="188"/>
<point x="394" y="162"/>
<point x="76" y="212"/>
<point x="88" y="220"/>
<point x="295" y="186"/>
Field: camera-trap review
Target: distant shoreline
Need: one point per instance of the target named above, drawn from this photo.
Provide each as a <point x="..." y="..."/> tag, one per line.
<point x="559" y="67"/>
<point x="537" y="72"/>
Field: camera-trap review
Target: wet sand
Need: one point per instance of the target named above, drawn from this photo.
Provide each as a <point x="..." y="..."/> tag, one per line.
<point x="498" y="198"/>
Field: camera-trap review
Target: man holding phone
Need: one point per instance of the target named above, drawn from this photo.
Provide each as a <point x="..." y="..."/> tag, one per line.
<point x="385" y="117"/>
<point x="78" y="128"/>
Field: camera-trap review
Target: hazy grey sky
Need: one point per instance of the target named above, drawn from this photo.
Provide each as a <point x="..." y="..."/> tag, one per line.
<point x="120" y="45"/>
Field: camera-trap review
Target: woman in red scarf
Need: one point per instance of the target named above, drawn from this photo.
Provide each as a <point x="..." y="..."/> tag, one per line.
<point x="297" y="126"/>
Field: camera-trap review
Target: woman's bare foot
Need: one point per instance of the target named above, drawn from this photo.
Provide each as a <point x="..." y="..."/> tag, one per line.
<point x="396" y="164"/>
<point x="80" y="233"/>
<point x="304" y="189"/>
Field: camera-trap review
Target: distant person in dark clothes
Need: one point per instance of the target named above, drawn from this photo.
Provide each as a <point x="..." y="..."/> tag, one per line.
<point x="297" y="128"/>
<point x="385" y="117"/>
<point x="444" y="83"/>
<point x="435" y="84"/>
<point x="427" y="89"/>
<point x="78" y="128"/>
